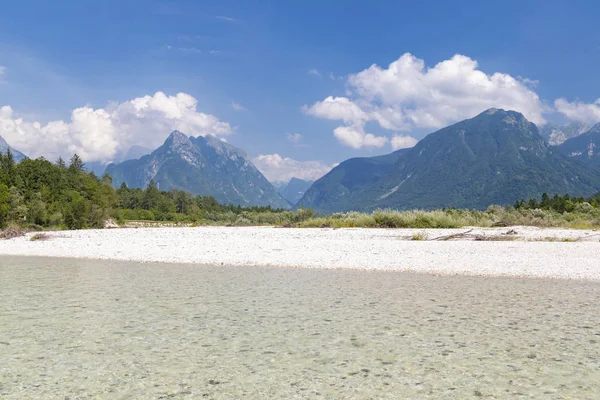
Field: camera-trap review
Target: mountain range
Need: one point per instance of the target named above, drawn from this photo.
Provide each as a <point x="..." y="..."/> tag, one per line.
<point x="497" y="157"/>
<point x="202" y="165"/>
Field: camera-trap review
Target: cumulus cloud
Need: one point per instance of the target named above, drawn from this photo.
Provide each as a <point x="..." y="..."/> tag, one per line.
<point x="338" y="108"/>
<point x="451" y="90"/>
<point x="408" y="95"/>
<point x="402" y="142"/>
<point x="354" y="136"/>
<point x="578" y="111"/>
<point x="99" y="134"/>
<point x="294" y="137"/>
<point x="281" y="169"/>
<point x="237" y="106"/>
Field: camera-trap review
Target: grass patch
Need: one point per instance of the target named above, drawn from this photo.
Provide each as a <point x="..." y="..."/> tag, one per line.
<point x="420" y="236"/>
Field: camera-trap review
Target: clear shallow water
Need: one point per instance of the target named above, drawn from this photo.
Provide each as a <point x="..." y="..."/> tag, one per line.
<point x="96" y="329"/>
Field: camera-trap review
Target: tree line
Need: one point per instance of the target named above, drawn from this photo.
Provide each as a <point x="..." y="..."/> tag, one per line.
<point x="40" y="193"/>
<point x="559" y="203"/>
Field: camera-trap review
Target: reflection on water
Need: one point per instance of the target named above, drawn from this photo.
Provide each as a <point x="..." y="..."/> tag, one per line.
<point x="89" y="329"/>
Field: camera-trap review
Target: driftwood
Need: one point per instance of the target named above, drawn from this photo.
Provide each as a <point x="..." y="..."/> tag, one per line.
<point x="510" y="235"/>
<point x="581" y="238"/>
<point x="460" y="235"/>
<point x="12" y="232"/>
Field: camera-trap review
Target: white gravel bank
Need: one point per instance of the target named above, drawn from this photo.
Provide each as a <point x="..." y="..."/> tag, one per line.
<point x="369" y="249"/>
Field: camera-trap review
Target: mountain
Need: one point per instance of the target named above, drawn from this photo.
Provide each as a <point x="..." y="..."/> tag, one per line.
<point x="4" y="148"/>
<point x="497" y="157"/>
<point x="585" y="147"/>
<point x="558" y="134"/>
<point x="335" y="191"/>
<point x="202" y="165"/>
<point x="293" y="190"/>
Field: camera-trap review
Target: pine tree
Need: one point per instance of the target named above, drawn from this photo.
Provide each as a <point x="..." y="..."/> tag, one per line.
<point x="76" y="163"/>
<point x="60" y="163"/>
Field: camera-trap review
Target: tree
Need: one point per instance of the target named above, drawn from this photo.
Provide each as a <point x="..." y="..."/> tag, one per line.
<point x="107" y="180"/>
<point x="151" y="196"/>
<point x="75" y="217"/>
<point x="37" y="210"/>
<point x="4" y="204"/>
<point x="545" y="203"/>
<point x="184" y="201"/>
<point x="60" y="163"/>
<point x="8" y="173"/>
<point x="76" y="163"/>
<point x="17" y="211"/>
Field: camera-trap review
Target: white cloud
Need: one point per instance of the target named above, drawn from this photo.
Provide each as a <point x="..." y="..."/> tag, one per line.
<point x="99" y="134"/>
<point x="314" y="72"/>
<point x="281" y="169"/>
<point x="355" y="137"/>
<point x="578" y="111"/>
<point x="451" y="90"/>
<point x="402" y="142"/>
<point x="237" y="106"/>
<point x="408" y="95"/>
<point x="2" y="73"/>
<point x="338" y="108"/>
<point x="294" y="137"/>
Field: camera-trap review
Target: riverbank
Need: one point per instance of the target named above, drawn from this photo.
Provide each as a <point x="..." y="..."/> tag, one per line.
<point x="515" y="251"/>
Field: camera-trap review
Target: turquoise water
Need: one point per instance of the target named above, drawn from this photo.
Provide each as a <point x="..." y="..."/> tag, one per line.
<point x="112" y="330"/>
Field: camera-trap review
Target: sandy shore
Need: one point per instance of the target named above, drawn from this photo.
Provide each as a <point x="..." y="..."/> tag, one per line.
<point x="368" y="249"/>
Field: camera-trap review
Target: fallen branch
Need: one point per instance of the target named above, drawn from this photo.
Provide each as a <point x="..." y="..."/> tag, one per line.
<point x="581" y="238"/>
<point x="12" y="232"/>
<point x="460" y="235"/>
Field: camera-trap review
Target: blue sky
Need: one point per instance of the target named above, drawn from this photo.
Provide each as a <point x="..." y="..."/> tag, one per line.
<point x="281" y="61"/>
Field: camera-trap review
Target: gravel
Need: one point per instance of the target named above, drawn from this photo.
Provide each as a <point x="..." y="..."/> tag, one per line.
<point x="530" y="252"/>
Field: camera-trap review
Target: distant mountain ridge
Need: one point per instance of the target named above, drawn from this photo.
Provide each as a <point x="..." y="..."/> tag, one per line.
<point x="4" y="146"/>
<point x="293" y="190"/>
<point x="202" y="165"/>
<point x="558" y="134"/>
<point x="585" y="147"/>
<point x="497" y="157"/>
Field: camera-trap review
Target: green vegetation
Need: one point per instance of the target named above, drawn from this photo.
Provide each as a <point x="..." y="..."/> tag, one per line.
<point x="150" y="204"/>
<point x="560" y="211"/>
<point x="419" y="236"/>
<point x="38" y="194"/>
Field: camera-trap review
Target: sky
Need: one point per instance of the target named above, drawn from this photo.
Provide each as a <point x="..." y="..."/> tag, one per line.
<point x="300" y="86"/>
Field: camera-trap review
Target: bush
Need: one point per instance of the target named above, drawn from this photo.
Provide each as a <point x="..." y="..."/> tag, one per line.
<point x="242" y="221"/>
